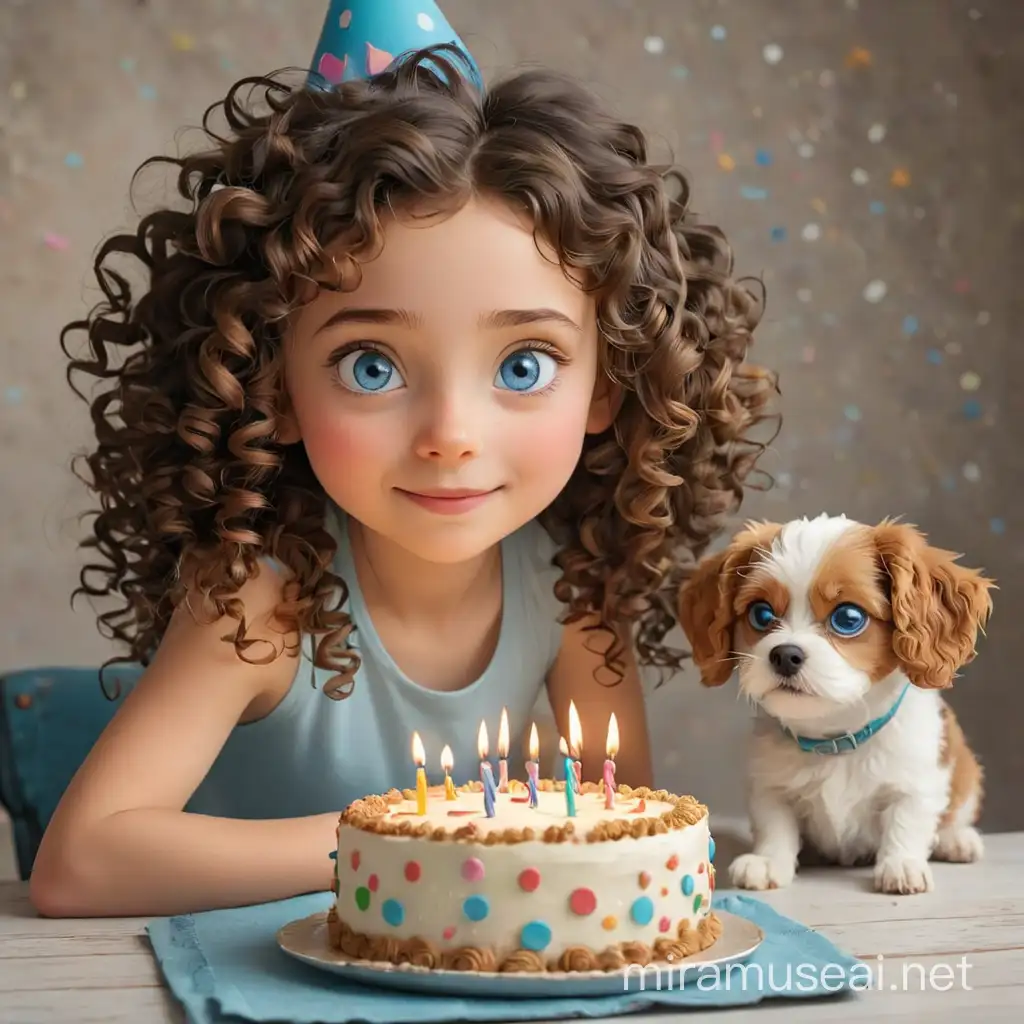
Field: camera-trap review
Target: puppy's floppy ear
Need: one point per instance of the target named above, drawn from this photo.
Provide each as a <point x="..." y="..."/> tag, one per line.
<point x="938" y="606"/>
<point x="706" y="601"/>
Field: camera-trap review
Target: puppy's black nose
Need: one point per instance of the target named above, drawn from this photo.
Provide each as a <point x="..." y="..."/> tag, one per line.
<point x="787" y="659"/>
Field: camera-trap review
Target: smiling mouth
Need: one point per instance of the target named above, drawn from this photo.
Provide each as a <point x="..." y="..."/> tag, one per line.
<point x="453" y="494"/>
<point x="450" y="502"/>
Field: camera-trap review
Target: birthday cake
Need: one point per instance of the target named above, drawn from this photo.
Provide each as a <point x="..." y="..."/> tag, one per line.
<point x="443" y="884"/>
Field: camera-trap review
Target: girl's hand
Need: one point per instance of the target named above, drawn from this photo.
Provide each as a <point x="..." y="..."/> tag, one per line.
<point x="119" y="842"/>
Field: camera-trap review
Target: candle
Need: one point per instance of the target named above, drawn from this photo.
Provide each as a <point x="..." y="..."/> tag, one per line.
<point x="576" y="744"/>
<point x="611" y="749"/>
<point x="570" y="774"/>
<point x="486" y="775"/>
<point x="421" y="775"/>
<point x="532" y="766"/>
<point x="503" y="752"/>
<point x="447" y="762"/>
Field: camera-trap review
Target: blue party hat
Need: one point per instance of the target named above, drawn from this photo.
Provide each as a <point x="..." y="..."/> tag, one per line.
<point x="362" y="37"/>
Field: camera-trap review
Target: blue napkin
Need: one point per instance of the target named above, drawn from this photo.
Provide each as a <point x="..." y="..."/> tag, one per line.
<point x="226" y="964"/>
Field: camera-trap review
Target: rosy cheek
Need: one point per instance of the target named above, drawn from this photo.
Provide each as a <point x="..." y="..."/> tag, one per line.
<point x="337" y="444"/>
<point x="546" y="448"/>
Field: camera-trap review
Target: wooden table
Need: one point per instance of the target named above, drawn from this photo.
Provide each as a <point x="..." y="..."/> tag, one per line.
<point x="101" y="970"/>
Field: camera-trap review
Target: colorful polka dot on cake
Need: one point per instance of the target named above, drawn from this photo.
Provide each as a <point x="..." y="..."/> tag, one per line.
<point x="412" y="871"/>
<point x="672" y="863"/>
<point x="697" y="900"/>
<point x="700" y="868"/>
<point x="354" y="860"/>
<point x="644" y="879"/>
<point x="687" y="884"/>
<point x="535" y="936"/>
<point x="664" y="924"/>
<point x="529" y="879"/>
<point x="449" y="933"/>
<point x="393" y="912"/>
<point x="664" y="890"/>
<point x="476" y="908"/>
<point x="373" y="882"/>
<point x="473" y="869"/>
<point x="609" y="923"/>
<point x="362" y="897"/>
<point x="582" y="902"/>
<point x="711" y="849"/>
<point x="642" y="910"/>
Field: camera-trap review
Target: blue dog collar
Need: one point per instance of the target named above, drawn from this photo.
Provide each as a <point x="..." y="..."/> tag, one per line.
<point x="850" y="740"/>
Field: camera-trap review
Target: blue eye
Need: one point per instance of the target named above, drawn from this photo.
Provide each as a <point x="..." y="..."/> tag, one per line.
<point x="526" y="370"/>
<point x="848" y="620"/>
<point x="761" y="616"/>
<point x="367" y="370"/>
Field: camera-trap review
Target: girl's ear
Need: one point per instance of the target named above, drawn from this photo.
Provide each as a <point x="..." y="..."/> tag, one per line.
<point x="288" y="431"/>
<point x="605" y="404"/>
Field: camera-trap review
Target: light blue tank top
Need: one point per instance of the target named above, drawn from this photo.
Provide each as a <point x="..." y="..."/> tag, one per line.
<point x="315" y="755"/>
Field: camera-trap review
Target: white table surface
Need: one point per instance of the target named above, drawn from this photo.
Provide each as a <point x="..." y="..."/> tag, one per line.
<point x="66" y="972"/>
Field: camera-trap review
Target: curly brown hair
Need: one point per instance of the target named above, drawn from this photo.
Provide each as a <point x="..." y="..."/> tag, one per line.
<point x="188" y="466"/>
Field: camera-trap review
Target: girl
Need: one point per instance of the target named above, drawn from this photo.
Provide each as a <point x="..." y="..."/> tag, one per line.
<point x="432" y="397"/>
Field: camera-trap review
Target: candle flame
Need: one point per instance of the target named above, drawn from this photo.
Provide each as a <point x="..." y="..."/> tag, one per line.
<point x="612" y="746"/>
<point x="417" y="750"/>
<point x="447" y="760"/>
<point x="575" y="731"/>
<point x="481" y="741"/>
<point x="562" y="747"/>
<point x="534" y="743"/>
<point x="503" y="734"/>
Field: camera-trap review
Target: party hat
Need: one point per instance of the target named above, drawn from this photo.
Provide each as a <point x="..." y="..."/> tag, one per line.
<point x="362" y="37"/>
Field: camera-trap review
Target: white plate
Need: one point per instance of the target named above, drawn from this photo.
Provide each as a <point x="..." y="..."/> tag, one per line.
<point x="306" y="940"/>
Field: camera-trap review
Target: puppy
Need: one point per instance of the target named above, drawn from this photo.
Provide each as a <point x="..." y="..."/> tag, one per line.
<point x="843" y="635"/>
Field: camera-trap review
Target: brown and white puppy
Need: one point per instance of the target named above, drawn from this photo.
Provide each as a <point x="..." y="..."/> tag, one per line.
<point x="843" y="635"/>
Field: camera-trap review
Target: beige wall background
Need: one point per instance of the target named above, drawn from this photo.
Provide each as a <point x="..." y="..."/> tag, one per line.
<point x="879" y="142"/>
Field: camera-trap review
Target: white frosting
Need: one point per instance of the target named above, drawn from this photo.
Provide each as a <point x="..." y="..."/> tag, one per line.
<point x="433" y="905"/>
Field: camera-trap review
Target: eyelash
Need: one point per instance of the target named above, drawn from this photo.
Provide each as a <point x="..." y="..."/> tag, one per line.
<point x="536" y="345"/>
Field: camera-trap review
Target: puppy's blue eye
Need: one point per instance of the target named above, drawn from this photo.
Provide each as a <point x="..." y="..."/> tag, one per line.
<point x="848" y="620"/>
<point x="761" y="616"/>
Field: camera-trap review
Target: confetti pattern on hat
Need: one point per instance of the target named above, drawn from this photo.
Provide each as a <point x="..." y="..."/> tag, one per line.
<point x="362" y="37"/>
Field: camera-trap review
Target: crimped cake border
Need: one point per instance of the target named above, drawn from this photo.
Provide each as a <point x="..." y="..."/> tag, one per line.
<point x="421" y="953"/>
<point x="367" y="815"/>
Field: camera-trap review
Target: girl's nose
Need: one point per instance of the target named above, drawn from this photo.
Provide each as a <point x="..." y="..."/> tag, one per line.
<point x="450" y="430"/>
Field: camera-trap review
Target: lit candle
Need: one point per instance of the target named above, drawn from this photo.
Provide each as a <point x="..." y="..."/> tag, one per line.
<point x="576" y="744"/>
<point x="486" y="775"/>
<point x="503" y="752"/>
<point x="570" y="774"/>
<point x="447" y="762"/>
<point x="421" y="774"/>
<point x="611" y="749"/>
<point x="532" y="766"/>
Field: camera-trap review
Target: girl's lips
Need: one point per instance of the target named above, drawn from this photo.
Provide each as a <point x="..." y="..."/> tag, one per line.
<point x="448" y="503"/>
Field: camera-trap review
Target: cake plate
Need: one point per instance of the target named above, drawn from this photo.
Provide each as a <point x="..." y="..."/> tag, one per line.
<point x="306" y="940"/>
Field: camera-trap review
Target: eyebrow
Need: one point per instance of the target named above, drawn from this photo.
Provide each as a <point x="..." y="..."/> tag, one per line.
<point x="524" y="317"/>
<point x="501" y="318"/>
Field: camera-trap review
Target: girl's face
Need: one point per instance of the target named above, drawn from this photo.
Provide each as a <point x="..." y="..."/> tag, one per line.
<point x="443" y="403"/>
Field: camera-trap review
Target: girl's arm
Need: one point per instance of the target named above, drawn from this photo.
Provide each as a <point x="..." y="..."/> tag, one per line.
<point x="119" y="843"/>
<point x="579" y="674"/>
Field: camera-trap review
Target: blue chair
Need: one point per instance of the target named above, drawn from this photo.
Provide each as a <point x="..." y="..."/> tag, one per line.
<point x="49" y="720"/>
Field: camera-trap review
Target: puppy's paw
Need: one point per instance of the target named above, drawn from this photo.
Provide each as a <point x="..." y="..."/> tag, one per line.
<point x="960" y="844"/>
<point x="903" y="876"/>
<point x="755" y="871"/>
